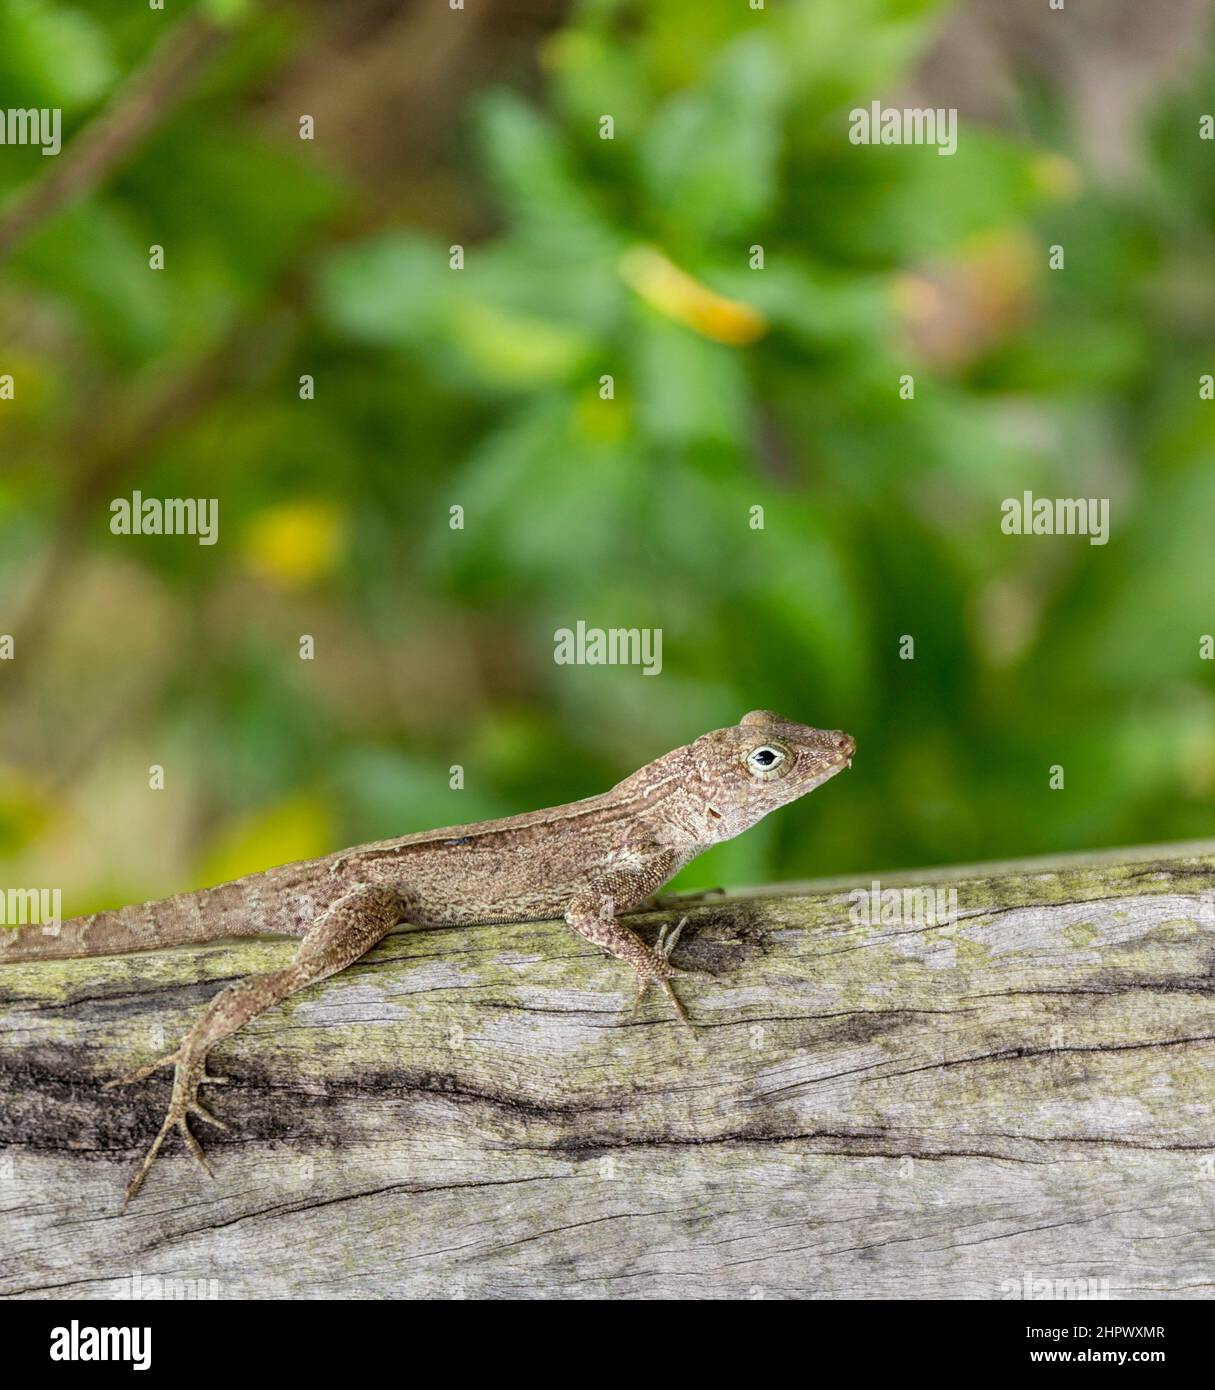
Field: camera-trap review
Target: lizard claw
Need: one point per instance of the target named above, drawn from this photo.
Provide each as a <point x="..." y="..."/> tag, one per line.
<point x="643" y="985"/>
<point x="677" y="1004"/>
<point x="668" y="937"/>
<point x="204" y="1114"/>
<point x="140" y="1072"/>
<point x="190" y="1074"/>
<point x="662" y="970"/>
<point x="195" y="1147"/>
<point x="172" y="1120"/>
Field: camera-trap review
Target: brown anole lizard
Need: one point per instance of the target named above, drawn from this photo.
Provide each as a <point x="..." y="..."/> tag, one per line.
<point x="587" y="861"/>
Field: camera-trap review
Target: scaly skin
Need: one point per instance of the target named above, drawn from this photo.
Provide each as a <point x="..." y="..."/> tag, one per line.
<point x="588" y="861"/>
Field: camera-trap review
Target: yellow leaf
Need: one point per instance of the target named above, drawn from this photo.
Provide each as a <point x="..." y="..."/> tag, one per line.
<point x="661" y="283"/>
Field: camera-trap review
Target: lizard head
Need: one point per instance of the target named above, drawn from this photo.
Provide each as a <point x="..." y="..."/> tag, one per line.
<point x="762" y="762"/>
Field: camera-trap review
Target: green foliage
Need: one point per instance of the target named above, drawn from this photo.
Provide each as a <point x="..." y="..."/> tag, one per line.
<point x="734" y="389"/>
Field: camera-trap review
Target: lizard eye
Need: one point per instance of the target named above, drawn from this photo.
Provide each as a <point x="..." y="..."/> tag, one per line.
<point x="766" y="761"/>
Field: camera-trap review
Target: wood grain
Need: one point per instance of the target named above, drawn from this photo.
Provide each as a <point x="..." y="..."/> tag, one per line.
<point x="1020" y="1100"/>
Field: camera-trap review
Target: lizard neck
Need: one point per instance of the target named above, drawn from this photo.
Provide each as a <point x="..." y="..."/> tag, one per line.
<point x="668" y="800"/>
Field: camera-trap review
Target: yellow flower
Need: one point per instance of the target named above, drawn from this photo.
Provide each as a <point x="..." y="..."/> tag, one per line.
<point x="295" y="544"/>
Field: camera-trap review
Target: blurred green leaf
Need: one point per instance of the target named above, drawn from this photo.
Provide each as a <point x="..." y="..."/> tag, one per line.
<point x="709" y="156"/>
<point x="52" y="55"/>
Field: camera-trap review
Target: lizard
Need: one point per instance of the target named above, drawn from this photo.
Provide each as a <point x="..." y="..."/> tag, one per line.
<point x="587" y="861"/>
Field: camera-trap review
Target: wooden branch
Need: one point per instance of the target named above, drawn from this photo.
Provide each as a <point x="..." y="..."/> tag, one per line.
<point x="1019" y="1099"/>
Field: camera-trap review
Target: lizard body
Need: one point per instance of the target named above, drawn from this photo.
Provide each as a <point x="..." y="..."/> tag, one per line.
<point x="586" y="861"/>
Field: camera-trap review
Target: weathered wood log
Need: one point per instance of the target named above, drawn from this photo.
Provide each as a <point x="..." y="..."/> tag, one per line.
<point x="1021" y="1100"/>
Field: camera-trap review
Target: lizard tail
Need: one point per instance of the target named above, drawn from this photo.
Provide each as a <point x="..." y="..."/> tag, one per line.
<point x="212" y="914"/>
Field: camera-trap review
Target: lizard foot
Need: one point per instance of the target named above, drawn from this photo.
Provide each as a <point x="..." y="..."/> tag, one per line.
<point x="659" y="968"/>
<point x="190" y="1073"/>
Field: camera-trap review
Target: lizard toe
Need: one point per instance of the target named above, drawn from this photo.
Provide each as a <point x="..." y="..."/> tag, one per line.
<point x="140" y="1072"/>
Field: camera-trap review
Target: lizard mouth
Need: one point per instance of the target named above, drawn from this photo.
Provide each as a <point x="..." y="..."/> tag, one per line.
<point x="837" y="764"/>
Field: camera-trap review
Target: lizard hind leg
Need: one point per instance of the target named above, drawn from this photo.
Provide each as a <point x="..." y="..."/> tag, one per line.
<point x="338" y="937"/>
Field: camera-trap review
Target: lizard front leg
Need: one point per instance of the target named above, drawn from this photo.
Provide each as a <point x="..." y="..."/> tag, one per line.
<point x="638" y="872"/>
<point x="340" y="935"/>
